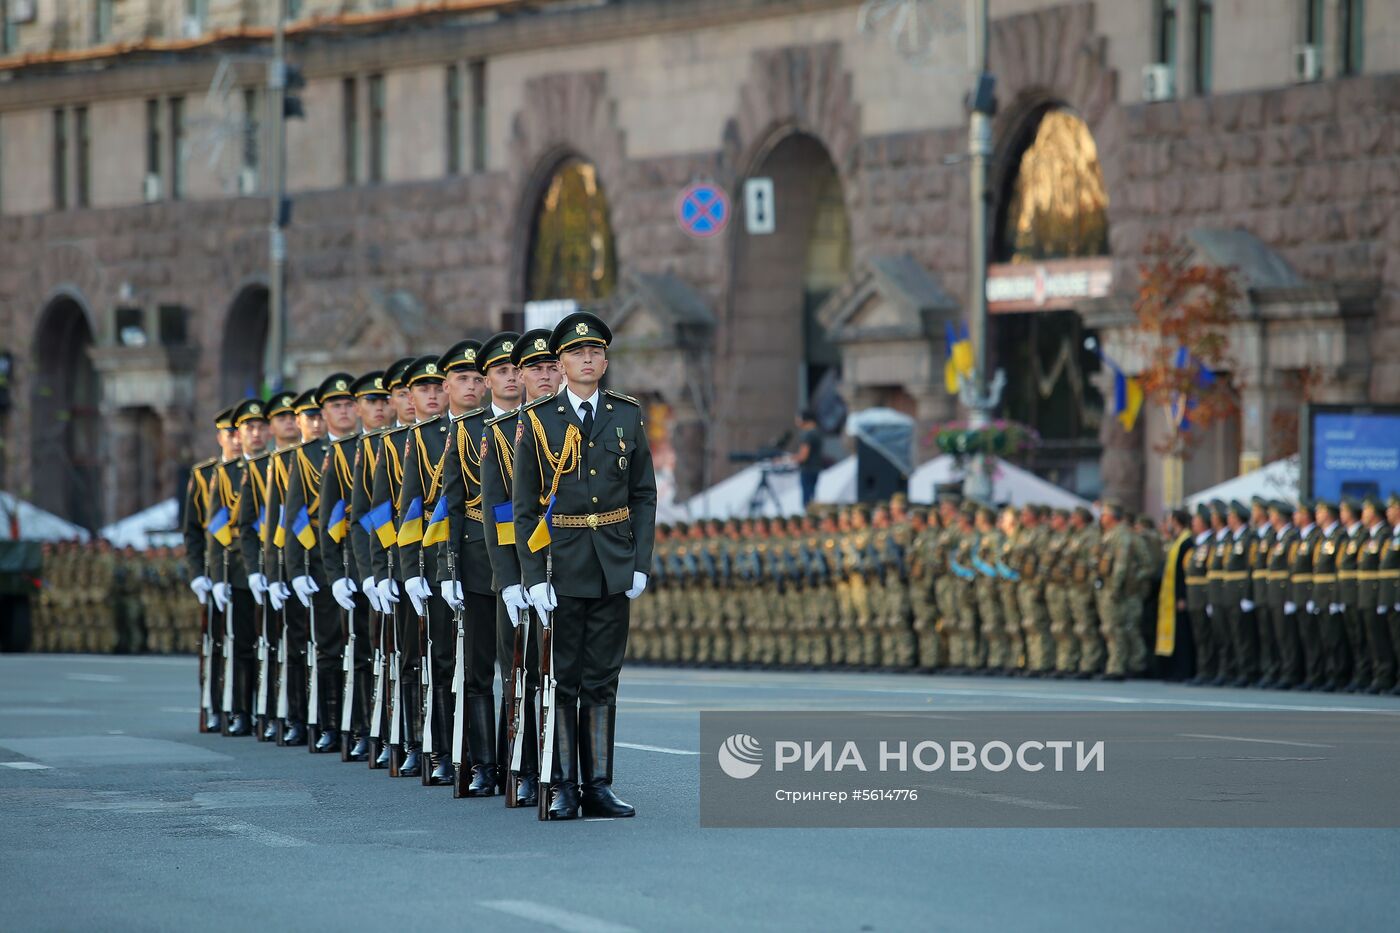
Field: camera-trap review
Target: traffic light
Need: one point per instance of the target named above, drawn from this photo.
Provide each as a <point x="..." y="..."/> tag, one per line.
<point x="292" y="107"/>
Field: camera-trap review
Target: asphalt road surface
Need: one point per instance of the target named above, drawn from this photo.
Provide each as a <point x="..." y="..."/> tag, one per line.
<point x="115" y="814"/>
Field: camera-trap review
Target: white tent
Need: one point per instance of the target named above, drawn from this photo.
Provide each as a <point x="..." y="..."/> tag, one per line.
<point x="1011" y="484"/>
<point x="1277" y="480"/>
<point x="151" y="527"/>
<point x="34" y="523"/>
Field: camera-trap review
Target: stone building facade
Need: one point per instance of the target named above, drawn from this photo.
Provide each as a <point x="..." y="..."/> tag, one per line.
<point x="438" y="138"/>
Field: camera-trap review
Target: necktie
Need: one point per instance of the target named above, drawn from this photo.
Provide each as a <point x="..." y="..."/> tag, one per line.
<point x="587" y="408"/>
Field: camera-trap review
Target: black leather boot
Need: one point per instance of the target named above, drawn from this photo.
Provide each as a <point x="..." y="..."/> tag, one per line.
<point x="242" y="723"/>
<point x="563" y="791"/>
<point x="596" y="730"/>
<point x="481" y="739"/>
<point x="443" y="773"/>
<point x="294" y="732"/>
<point x="412" y="713"/>
<point x="330" y="714"/>
<point x="527" y="782"/>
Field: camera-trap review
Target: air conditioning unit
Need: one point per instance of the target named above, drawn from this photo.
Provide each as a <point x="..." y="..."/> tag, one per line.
<point x="151" y="187"/>
<point x="1157" y="83"/>
<point x="248" y="181"/>
<point x="1307" y="63"/>
<point x="192" y="27"/>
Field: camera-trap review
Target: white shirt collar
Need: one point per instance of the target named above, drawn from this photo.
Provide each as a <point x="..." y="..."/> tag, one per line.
<point x="1307" y="528"/>
<point x="1240" y="533"/>
<point x="1353" y="528"/>
<point x="336" y="440"/>
<point x="1262" y="530"/>
<point x="1220" y="535"/>
<point x="497" y="411"/>
<point x="577" y="402"/>
<point x="1285" y="529"/>
<point x="1328" y="529"/>
<point x="1203" y="537"/>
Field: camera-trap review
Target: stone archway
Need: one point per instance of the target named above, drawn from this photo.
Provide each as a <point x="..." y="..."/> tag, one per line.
<point x="66" y="445"/>
<point x="572" y="252"/>
<point x="243" y="349"/>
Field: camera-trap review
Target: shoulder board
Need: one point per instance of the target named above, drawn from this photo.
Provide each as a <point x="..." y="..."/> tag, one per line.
<point x="537" y="402"/>
<point x="347" y="440"/>
<point x="399" y="430"/>
<point x="206" y="464"/>
<point x="458" y="419"/>
<point x="426" y="421"/>
<point x="625" y="398"/>
<point x="260" y="457"/>
<point x="499" y="418"/>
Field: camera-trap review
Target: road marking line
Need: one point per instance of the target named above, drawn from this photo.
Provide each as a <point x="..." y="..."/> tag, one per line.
<point x="1241" y="738"/>
<point x="179" y="709"/>
<point x="97" y="678"/>
<point x="559" y="919"/>
<point x="267" y="837"/>
<point x="1030" y="803"/>
<point x="25" y="765"/>
<point x="655" y="748"/>
<point x="644" y="700"/>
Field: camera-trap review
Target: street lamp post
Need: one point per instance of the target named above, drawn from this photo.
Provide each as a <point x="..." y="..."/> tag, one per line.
<point x="277" y="240"/>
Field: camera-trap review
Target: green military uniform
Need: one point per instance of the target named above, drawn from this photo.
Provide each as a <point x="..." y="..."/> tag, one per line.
<point x="1056" y="565"/>
<point x="1374" y="540"/>
<point x="1300" y="579"/>
<point x="1283" y="612"/>
<point x="1325" y="595"/>
<point x="1388" y="577"/>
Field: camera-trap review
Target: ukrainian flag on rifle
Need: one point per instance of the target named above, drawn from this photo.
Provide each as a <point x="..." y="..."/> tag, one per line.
<point x="380" y="522"/>
<point x="260" y="526"/>
<point x="411" y="528"/>
<point x="539" y="538"/>
<point x="436" y="531"/>
<point x="339" y="525"/>
<point x="504" y="515"/>
<point x="220" y="527"/>
<point x="302" y="530"/>
<point x="279" y="536"/>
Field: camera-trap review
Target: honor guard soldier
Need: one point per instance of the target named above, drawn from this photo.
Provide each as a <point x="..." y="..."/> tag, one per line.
<point x="1300" y="571"/>
<point x="1238" y="592"/>
<point x="465" y="575"/>
<point x="379" y="411"/>
<point x="1353" y="627"/>
<point x="1388" y="597"/>
<point x="231" y="594"/>
<point x="430" y="625"/>
<point x="1283" y="611"/>
<point x="1263" y="530"/>
<point x="1374" y="538"/>
<point x="197" y="556"/>
<point x="390" y="570"/>
<point x="585" y="517"/>
<point x="252" y="518"/>
<point x="1325" y="593"/>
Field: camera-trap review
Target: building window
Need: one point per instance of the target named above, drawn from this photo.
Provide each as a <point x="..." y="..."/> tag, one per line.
<point x="1204" y="45"/>
<point x="571" y="239"/>
<point x="153" y="137"/>
<point x="177" y="145"/>
<point x="60" y="159"/>
<point x="454" y="120"/>
<point x="1353" y="32"/>
<point x="478" y="81"/>
<point x="102" y="21"/>
<point x="1166" y="33"/>
<point x="377" y="138"/>
<point x="251" y="129"/>
<point x="350" y="129"/>
<point x="196" y="15"/>
<point x="83" y="141"/>
<point x="9" y="30"/>
<point x="1313" y="13"/>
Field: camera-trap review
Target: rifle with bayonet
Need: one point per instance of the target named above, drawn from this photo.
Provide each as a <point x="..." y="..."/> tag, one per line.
<point x="516" y="698"/>
<point x="208" y="663"/>
<point x="347" y="741"/>
<point x="260" y="698"/>
<point x="461" y="758"/>
<point x="228" y="652"/>
<point x="284" y="658"/>
<point x="425" y="674"/>
<point x="313" y="690"/>
<point x="396" y="710"/>
<point x="547" y="685"/>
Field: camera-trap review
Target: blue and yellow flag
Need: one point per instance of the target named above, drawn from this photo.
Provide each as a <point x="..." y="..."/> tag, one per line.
<point x="381" y="522"/>
<point x="539" y="538"/>
<point x="505" y="523"/>
<point x="301" y="528"/>
<point x="958" y="361"/>
<point x="411" y="527"/>
<point x="260" y="525"/>
<point x="436" y="531"/>
<point x="220" y="527"/>
<point x="1127" y="398"/>
<point x="279" y="536"/>
<point x="339" y="525"/>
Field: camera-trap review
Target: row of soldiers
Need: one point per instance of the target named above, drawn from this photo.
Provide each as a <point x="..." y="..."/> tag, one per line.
<point x="963" y="587"/>
<point x="97" y="598"/>
<point x="369" y="552"/>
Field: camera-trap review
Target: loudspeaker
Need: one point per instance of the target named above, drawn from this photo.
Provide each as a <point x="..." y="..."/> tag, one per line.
<point x="877" y="478"/>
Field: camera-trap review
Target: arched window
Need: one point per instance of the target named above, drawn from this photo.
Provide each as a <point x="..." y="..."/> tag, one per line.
<point x="1056" y="205"/>
<point x="571" y="239"/>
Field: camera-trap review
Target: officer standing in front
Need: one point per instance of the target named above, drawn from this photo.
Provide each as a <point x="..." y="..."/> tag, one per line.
<point x="583" y="464"/>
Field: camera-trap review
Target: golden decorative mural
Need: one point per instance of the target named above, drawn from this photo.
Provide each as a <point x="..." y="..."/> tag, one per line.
<point x="1058" y="206"/>
<point x="571" y="249"/>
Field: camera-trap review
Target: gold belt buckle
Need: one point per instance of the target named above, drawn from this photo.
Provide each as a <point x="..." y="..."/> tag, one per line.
<point x="593" y="522"/>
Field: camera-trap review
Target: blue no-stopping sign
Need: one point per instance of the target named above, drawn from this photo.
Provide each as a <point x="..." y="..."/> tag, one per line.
<point x="702" y="210"/>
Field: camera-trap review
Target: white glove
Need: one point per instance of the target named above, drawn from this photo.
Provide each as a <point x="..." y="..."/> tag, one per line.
<point x="388" y="593"/>
<point x="451" y="593"/>
<point x="223" y="592"/>
<point x="372" y="594"/>
<point x="1312" y="606"/>
<point x="1397" y="607"/>
<point x="516" y="602"/>
<point x="639" y="583"/>
<point x="542" y="597"/>
<point x="1336" y="608"/>
<point x="201" y="587"/>
<point x="343" y="590"/>
<point x="1382" y="610"/>
<point x="304" y="586"/>
<point x="1290" y="608"/>
<point x="277" y="595"/>
<point x="418" y="590"/>
<point x="1246" y="605"/>
<point x="258" y="584"/>
<point x="1210" y="611"/>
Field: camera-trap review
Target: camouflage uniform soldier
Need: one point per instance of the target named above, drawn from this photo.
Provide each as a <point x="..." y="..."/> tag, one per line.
<point x="1083" y="602"/>
<point x="946" y="586"/>
<point x="923" y="602"/>
<point x="965" y="591"/>
<point x="1116" y="588"/>
<point x="1009" y="587"/>
<point x="1055" y="570"/>
<point x="1035" y="616"/>
<point x="988" y="588"/>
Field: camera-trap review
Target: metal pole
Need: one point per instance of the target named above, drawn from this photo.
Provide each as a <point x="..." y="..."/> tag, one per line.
<point x="277" y="243"/>
<point x="979" y="147"/>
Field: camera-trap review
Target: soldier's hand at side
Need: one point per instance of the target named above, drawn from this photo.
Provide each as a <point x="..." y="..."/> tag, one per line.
<point x="1246" y="605"/>
<point x="276" y="597"/>
<point x="201" y="586"/>
<point x="639" y="583"/>
<point x="1382" y="609"/>
<point x="258" y="584"/>
<point x="1290" y="608"/>
<point x="223" y="592"/>
<point x="516" y="602"/>
<point x="304" y="586"/>
<point x="419" y="590"/>
<point x="451" y="592"/>
<point x="1312" y="606"/>
<point x="343" y="590"/>
<point x="371" y="592"/>
<point x="388" y="592"/>
<point x="542" y="597"/>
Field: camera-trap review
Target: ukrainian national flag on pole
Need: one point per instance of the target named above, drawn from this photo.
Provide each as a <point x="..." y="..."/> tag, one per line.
<point x="411" y="528"/>
<point x="958" y="357"/>
<point x="381" y="522"/>
<point x="1127" y="390"/>
<point x="436" y="532"/>
<point x="301" y="528"/>
<point x="339" y="525"/>
<point x="539" y="538"/>
<point x="220" y="527"/>
<point x="260" y="526"/>
<point x="504" y="515"/>
<point x="279" y="537"/>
